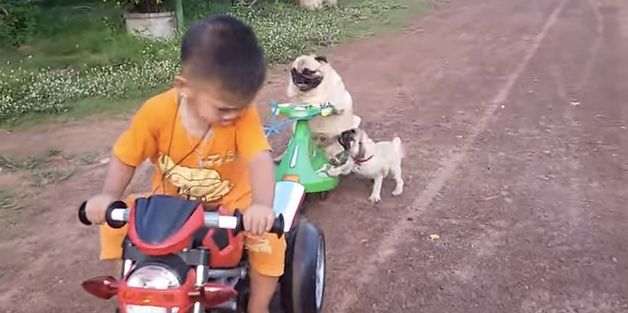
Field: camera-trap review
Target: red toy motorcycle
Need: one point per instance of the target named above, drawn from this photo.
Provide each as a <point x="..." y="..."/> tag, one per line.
<point x="178" y="258"/>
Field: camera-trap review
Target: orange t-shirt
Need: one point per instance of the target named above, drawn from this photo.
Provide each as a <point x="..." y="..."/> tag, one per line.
<point x="216" y="172"/>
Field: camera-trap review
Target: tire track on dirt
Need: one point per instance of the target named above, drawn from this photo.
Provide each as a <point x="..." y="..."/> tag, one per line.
<point x="363" y="271"/>
<point x="599" y="29"/>
<point x="486" y="244"/>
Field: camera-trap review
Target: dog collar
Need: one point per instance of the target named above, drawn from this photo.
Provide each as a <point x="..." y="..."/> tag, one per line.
<point x="362" y="161"/>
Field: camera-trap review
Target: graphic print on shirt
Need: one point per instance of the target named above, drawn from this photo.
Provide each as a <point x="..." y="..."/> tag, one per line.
<point x="200" y="184"/>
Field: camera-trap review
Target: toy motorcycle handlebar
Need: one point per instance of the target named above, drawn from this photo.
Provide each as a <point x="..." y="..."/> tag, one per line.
<point x="305" y="110"/>
<point x="117" y="216"/>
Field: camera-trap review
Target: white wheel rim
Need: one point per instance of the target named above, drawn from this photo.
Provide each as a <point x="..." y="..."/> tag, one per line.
<point x="320" y="275"/>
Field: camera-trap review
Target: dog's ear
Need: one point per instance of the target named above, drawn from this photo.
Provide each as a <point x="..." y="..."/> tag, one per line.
<point x="346" y="138"/>
<point x="360" y="137"/>
<point x="361" y="150"/>
<point x="359" y="134"/>
<point x="321" y="59"/>
<point x="348" y="133"/>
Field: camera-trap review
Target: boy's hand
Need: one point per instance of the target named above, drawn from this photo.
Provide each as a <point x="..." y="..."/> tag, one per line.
<point x="258" y="219"/>
<point x="96" y="207"/>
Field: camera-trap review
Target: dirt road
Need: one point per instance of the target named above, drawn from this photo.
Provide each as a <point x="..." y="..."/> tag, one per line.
<point x="515" y="121"/>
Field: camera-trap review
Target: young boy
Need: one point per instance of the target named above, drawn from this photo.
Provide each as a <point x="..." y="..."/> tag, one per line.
<point x="207" y="143"/>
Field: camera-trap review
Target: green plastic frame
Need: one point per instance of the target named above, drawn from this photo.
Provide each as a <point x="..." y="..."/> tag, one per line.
<point x="303" y="160"/>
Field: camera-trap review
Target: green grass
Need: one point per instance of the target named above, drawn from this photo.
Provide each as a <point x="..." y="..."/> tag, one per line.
<point x="82" y="62"/>
<point x="30" y="163"/>
<point x="51" y="176"/>
<point x="51" y="166"/>
<point x="7" y="201"/>
<point x="393" y="15"/>
<point x="76" y="35"/>
<point x="88" y="108"/>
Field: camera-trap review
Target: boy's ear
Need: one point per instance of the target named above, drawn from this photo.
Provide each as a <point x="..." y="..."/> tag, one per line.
<point x="180" y="83"/>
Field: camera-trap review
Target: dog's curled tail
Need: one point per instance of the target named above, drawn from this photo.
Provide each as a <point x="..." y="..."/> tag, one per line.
<point x="399" y="147"/>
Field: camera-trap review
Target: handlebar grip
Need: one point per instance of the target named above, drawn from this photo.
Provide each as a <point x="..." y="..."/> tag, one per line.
<point x="326" y="112"/>
<point x="112" y="223"/>
<point x="277" y="228"/>
<point x="82" y="215"/>
<point x="240" y="225"/>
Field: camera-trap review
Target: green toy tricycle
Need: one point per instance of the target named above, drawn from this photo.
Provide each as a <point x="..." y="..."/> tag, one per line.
<point x="303" y="160"/>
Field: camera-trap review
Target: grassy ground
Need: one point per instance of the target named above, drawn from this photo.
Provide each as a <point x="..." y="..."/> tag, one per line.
<point x="83" y="63"/>
<point x="93" y="108"/>
<point x="394" y="15"/>
<point x="33" y="173"/>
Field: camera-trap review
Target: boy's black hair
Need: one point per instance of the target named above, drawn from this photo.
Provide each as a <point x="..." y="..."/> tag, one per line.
<point x="223" y="49"/>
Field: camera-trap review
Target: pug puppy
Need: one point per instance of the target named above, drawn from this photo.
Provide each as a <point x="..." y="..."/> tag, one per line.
<point x="374" y="160"/>
<point x="313" y="80"/>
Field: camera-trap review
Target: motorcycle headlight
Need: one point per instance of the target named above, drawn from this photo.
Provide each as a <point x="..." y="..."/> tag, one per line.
<point x="152" y="277"/>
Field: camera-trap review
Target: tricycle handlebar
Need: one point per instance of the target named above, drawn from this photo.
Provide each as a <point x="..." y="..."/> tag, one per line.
<point x="117" y="217"/>
<point x="305" y="110"/>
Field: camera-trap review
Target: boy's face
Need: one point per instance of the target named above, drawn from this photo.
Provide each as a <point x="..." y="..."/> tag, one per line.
<point x="210" y="102"/>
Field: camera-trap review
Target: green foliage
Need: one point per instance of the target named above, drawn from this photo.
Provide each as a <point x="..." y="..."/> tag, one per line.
<point x="50" y="90"/>
<point x="144" y="6"/>
<point x="84" y="53"/>
<point x="18" y="22"/>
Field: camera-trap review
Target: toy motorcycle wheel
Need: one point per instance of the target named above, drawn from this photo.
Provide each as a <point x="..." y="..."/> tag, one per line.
<point x="303" y="284"/>
<point x="323" y="195"/>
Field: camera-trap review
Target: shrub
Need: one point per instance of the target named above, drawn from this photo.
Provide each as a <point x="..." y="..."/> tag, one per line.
<point x="18" y="22"/>
<point x="284" y="30"/>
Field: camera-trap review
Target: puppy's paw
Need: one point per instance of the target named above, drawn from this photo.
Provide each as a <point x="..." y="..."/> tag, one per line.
<point x="397" y="192"/>
<point x="347" y="170"/>
<point x="375" y="198"/>
<point x="333" y="172"/>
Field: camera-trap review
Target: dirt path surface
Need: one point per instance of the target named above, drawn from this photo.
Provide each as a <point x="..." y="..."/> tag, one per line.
<point x="515" y="121"/>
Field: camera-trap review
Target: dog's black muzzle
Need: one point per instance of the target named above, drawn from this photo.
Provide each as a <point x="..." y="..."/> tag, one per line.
<point x="346" y="139"/>
<point x="305" y="82"/>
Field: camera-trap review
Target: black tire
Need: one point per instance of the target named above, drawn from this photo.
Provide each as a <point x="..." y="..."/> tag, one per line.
<point x="285" y="281"/>
<point x="244" y="291"/>
<point x="82" y="215"/>
<point x="299" y="284"/>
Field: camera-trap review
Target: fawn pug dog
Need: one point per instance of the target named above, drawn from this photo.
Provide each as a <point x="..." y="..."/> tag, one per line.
<point x="313" y="80"/>
<point x="374" y="160"/>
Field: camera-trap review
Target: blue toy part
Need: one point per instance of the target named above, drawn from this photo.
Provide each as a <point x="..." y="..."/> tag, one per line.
<point x="275" y="126"/>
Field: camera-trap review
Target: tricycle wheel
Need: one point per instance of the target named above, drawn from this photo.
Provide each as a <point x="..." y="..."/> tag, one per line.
<point x="324" y="195"/>
<point x="303" y="285"/>
<point x="285" y="281"/>
<point x="244" y="291"/>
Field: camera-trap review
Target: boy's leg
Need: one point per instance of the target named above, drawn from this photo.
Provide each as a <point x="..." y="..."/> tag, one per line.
<point x="266" y="257"/>
<point x="111" y="240"/>
<point x="111" y="247"/>
<point x="262" y="289"/>
<point x="117" y="268"/>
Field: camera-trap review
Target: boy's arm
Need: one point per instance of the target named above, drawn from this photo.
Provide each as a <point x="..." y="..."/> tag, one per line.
<point x="118" y="178"/>
<point x="134" y="146"/>
<point x="262" y="176"/>
<point x="254" y="148"/>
